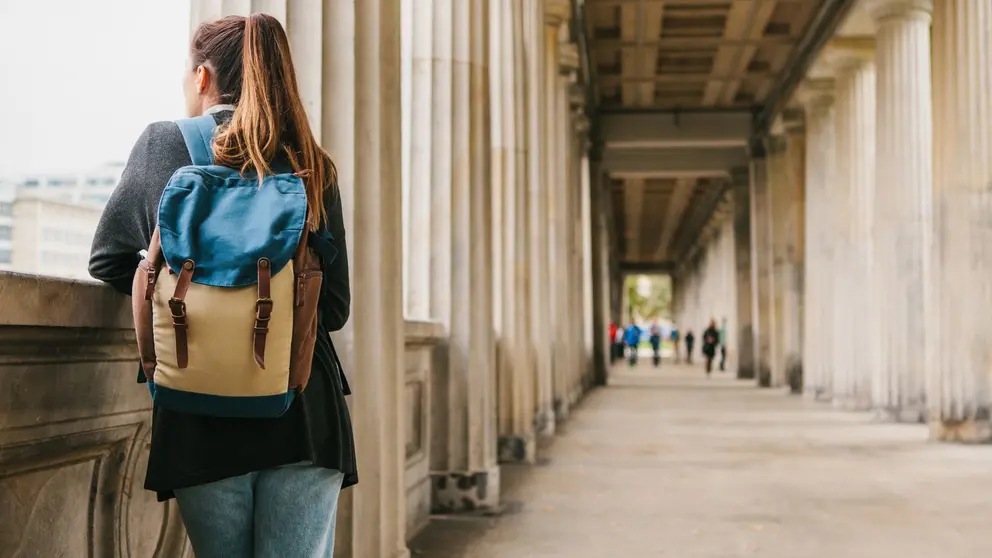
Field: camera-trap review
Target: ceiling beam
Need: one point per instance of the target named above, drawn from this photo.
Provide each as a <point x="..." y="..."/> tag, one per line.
<point x="633" y="201"/>
<point x="745" y="21"/>
<point x="694" y="129"/>
<point x="670" y="3"/>
<point x="697" y="215"/>
<point x="696" y="77"/>
<point x="646" y="268"/>
<point x="673" y="216"/>
<point x="650" y="27"/>
<point x="822" y="26"/>
<point x="688" y="42"/>
<point x="674" y="161"/>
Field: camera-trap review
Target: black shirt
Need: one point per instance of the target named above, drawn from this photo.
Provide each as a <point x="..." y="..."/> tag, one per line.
<point x="188" y="450"/>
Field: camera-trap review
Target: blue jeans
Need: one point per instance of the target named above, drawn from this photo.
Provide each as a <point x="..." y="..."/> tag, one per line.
<point x="285" y="511"/>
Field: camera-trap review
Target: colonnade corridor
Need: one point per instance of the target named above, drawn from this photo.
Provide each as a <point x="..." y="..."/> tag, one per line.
<point x="665" y="463"/>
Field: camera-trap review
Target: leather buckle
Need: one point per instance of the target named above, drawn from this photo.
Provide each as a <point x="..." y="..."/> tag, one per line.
<point x="263" y="304"/>
<point x="178" y="309"/>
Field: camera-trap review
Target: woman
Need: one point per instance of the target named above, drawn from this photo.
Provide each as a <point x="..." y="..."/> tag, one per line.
<point x="245" y="487"/>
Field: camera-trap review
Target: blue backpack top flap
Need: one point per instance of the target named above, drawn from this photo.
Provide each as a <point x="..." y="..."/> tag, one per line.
<point x="226" y="222"/>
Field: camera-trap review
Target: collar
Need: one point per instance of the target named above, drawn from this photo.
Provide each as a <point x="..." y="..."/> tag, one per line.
<point x="218" y="108"/>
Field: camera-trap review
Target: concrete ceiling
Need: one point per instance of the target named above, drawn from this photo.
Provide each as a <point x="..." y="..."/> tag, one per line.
<point x="678" y="84"/>
<point x="690" y="54"/>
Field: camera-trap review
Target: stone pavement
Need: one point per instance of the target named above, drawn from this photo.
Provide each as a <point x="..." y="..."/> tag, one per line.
<point x="669" y="464"/>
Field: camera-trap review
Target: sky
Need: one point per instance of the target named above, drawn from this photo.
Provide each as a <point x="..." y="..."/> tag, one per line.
<point x="80" y="80"/>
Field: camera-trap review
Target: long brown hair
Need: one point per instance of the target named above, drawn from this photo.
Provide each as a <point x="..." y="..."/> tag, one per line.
<point x="253" y="70"/>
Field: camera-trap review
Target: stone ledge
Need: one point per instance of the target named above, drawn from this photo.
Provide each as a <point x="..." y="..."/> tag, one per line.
<point x="422" y="332"/>
<point x="35" y="345"/>
<point x="34" y="300"/>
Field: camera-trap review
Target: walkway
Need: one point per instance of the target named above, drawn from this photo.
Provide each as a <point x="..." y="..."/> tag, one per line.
<point x="668" y="464"/>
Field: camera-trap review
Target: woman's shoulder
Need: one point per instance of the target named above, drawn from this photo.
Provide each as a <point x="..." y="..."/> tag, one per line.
<point x="161" y="138"/>
<point x="156" y="154"/>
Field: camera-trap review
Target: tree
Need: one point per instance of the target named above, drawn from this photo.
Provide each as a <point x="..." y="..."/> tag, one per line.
<point x="649" y="297"/>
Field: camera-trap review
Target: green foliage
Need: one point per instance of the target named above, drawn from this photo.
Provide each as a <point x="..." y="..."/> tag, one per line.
<point x="652" y="302"/>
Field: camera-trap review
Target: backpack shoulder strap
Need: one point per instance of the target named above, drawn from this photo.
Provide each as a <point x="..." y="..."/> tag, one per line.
<point x="198" y="133"/>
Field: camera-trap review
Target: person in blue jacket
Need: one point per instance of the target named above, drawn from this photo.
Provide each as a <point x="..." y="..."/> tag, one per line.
<point x="632" y="338"/>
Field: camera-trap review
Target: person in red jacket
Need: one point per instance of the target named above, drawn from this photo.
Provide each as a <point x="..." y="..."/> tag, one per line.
<point x="613" y="342"/>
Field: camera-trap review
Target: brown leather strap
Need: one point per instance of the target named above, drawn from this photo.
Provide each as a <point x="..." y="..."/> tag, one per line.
<point x="177" y="306"/>
<point x="142" y="290"/>
<point x="142" y="313"/>
<point x="152" y="263"/>
<point x="263" y="309"/>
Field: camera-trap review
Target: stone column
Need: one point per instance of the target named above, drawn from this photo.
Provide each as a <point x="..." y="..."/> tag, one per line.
<point x="360" y="126"/>
<point x="587" y="270"/>
<point x="817" y="295"/>
<point x="902" y="205"/>
<point x="743" y="336"/>
<point x="781" y="196"/>
<point x="577" y="189"/>
<point x="599" y="257"/>
<point x="418" y="199"/>
<point x="516" y="381"/>
<point x="787" y="174"/>
<point x="959" y="397"/>
<point x="539" y="314"/>
<point x="556" y="14"/>
<point x="468" y="477"/>
<point x="561" y="260"/>
<point x="855" y="346"/>
<point x="762" y="288"/>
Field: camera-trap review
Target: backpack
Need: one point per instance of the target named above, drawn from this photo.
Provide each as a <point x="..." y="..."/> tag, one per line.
<point x="225" y="302"/>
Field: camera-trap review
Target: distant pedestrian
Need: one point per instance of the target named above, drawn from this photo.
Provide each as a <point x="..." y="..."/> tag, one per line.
<point x="632" y="337"/>
<point x="711" y="337"/>
<point x="617" y="346"/>
<point x="612" y="341"/>
<point x="690" y="340"/>
<point x="656" y="343"/>
<point x="675" y="344"/>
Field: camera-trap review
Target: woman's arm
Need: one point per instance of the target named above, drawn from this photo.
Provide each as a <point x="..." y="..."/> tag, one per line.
<point x="126" y="226"/>
<point x="335" y="296"/>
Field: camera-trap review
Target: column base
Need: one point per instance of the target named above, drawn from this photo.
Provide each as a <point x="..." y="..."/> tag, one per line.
<point x="961" y="431"/>
<point x="561" y="410"/>
<point x="850" y="404"/>
<point x="576" y="395"/>
<point x="745" y="372"/>
<point x="907" y="415"/>
<point x="517" y="449"/>
<point x="794" y="374"/>
<point x="465" y="491"/>
<point x="817" y="394"/>
<point x="544" y="423"/>
<point x="764" y="375"/>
